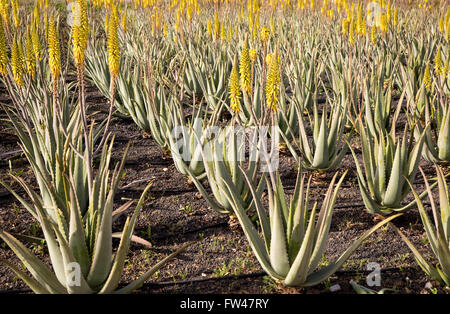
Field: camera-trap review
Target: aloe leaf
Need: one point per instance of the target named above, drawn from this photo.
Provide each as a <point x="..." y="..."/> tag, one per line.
<point x="263" y="218"/>
<point x="299" y="268"/>
<point x="29" y="281"/>
<point x="101" y="259"/>
<point x="324" y="222"/>
<point x="393" y="189"/>
<point x="321" y="152"/>
<point x="77" y="240"/>
<point x="427" y="268"/>
<point x="278" y="245"/>
<point x="68" y="260"/>
<point x="37" y="268"/>
<point x="257" y="244"/>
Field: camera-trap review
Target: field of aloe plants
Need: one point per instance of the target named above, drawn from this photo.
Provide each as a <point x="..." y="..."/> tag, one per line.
<point x="237" y="146"/>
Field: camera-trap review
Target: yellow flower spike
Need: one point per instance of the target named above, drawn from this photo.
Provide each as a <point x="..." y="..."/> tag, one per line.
<point x="253" y="54"/>
<point x="216" y="26"/>
<point x="54" y="57"/>
<point x="5" y="12"/>
<point x="359" y="19"/>
<point x="45" y="24"/>
<point x="124" y="22"/>
<point x="388" y="12"/>
<point x="222" y="31"/>
<point x="344" y="26"/>
<point x="447" y="31"/>
<point x="272" y="25"/>
<point x="17" y="62"/>
<point x="447" y="17"/>
<point x="427" y="77"/>
<point x="84" y="24"/>
<point x="37" y="46"/>
<point x="234" y="91"/>
<point x="37" y="12"/>
<point x="245" y="68"/>
<point x="445" y="71"/>
<point x="383" y="23"/>
<point x="229" y="33"/>
<point x="273" y="83"/>
<point x="351" y="33"/>
<point x="30" y="59"/>
<point x="395" y="16"/>
<point x="265" y="33"/>
<point x="15" y="7"/>
<point x="77" y="43"/>
<point x="373" y="34"/>
<point x="106" y="23"/>
<point x="330" y="13"/>
<point x="3" y="50"/>
<point x="269" y="59"/>
<point x="438" y="67"/>
<point x="113" y="47"/>
<point x="209" y="28"/>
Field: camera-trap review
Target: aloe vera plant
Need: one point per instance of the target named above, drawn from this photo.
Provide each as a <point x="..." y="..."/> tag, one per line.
<point x="212" y="79"/>
<point x="388" y="163"/>
<point x="97" y="71"/>
<point x="328" y="139"/>
<point x="303" y="77"/>
<point x="222" y="158"/>
<point x="147" y="103"/>
<point x="80" y="244"/>
<point x="293" y="239"/>
<point x="437" y="135"/>
<point x="411" y="72"/>
<point x="184" y="141"/>
<point x="377" y="95"/>
<point x="287" y="119"/>
<point x="253" y="108"/>
<point x="46" y="124"/>
<point x="437" y="229"/>
<point x="206" y="75"/>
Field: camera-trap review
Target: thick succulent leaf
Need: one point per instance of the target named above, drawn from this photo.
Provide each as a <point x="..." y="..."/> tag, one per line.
<point x="263" y="217"/>
<point x="29" y="281"/>
<point x="278" y="244"/>
<point x="22" y="201"/>
<point x="77" y="239"/>
<point x="102" y="256"/>
<point x="321" y="150"/>
<point x="257" y="244"/>
<point x="427" y="268"/>
<point x="119" y="262"/>
<point x="444" y="137"/>
<point x="81" y="287"/>
<point x="299" y="268"/>
<point x="324" y="222"/>
<point x="394" y="187"/>
<point x="37" y="268"/>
